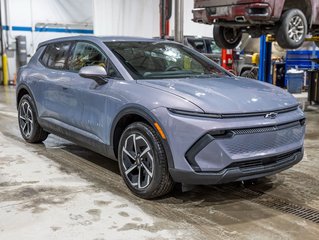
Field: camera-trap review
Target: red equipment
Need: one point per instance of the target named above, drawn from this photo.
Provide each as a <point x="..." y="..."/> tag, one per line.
<point x="227" y="59"/>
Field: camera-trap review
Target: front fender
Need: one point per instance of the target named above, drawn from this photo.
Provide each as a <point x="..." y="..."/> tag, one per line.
<point x="145" y="113"/>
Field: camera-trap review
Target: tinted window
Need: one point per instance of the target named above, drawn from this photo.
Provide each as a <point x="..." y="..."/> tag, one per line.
<point x="113" y="73"/>
<point x="85" y="54"/>
<point x="212" y="47"/>
<point x="55" y="55"/>
<point x="197" y="44"/>
<point x="46" y="55"/>
<point x="151" y="60"/>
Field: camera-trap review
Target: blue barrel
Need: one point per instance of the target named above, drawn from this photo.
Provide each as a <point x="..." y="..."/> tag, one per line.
<point x="295" y="81"/>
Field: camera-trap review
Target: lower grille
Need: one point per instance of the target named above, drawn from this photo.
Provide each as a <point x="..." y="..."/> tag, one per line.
<point x="251" y="142"/>
<point x="245" y="165"/>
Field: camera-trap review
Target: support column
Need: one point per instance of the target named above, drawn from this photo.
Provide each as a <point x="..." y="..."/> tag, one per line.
<point x="179" y="21"/>
<point x="265" y="60"/>
<point x="262" y="58"/>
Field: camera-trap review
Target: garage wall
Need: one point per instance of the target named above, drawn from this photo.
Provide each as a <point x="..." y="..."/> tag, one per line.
<point x="126" y="17"/>
<point x="139" y="18"/>
<point x="190" y="27"/>
<point x="40" y="20"/>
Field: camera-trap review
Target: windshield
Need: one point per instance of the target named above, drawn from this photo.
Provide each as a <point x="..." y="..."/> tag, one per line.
<point x="161" y="60"/>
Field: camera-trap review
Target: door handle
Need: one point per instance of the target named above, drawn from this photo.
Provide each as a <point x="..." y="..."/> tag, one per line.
<point x="65" y="88"/>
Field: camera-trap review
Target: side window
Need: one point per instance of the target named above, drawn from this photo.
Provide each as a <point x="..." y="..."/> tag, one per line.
<point x="85" y="54"/>
<point x="45" y="56"/>
<point x="55" y="55"/>
<point x="113" y="73"/>
<point x="197" y="44"/>
<point x="212" y="47"/>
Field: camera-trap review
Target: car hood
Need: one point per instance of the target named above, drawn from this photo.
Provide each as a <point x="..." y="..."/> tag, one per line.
<point x="226" y="95"/>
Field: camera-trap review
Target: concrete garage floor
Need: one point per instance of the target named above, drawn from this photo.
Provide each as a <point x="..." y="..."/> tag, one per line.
<point x="58" y="190"/>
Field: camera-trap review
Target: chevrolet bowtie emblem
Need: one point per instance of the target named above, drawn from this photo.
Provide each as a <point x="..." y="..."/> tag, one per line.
<point x="271" y="115"/>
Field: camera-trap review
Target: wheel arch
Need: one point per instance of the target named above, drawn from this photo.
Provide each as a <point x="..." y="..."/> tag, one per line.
<point x="21" y="91"/>
<point x="136" y="113"/>
<point x="304" y="6"/>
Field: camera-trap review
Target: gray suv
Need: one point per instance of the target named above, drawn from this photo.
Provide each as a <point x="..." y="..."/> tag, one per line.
<point x="164" y="111"/>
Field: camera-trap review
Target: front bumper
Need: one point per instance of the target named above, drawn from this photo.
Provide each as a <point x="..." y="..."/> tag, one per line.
<point x="238" y="173"/>
<point x="242" y="14"/>
<point x="250" y="147"/>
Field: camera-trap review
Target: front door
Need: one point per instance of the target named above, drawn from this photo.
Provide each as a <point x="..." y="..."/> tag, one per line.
<point x="94" y="96"/>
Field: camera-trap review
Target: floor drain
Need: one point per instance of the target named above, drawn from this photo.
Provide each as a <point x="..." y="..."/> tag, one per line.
<point x="277" y="204"/>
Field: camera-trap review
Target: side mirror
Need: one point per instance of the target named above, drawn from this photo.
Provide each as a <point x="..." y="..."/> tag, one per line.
<point x="96" y="72"/>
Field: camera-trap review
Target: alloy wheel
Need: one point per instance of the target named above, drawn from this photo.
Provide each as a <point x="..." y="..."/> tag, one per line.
<point x="296" y="29"/>
<point x="138" y="161"/>
<point x="26" y="119"/>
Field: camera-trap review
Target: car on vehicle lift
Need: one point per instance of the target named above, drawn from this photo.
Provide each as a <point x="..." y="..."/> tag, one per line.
<point x="164" y="111"/>
<point x="289" y="20"/>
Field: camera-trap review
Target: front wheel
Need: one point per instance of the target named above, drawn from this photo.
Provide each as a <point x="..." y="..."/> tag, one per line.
<point x="143" y="163"/>
<point x="292" y="30"/>
<point x="225" y="37"/>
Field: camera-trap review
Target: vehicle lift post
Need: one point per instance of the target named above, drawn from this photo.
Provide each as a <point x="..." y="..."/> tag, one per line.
<point x="265" y="60"/>
<point x="265" y="56"/>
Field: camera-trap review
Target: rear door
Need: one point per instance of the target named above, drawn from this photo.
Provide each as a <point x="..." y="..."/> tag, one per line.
<point x="60" y="107"/>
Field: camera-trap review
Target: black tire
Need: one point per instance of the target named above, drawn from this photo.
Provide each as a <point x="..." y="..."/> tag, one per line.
<point x="287" y="34"/>
<point x="317" y="44"/>
<point x="225" y="37"/>
<point x="159" y="182"/>
<point x="29" y="127"/>
<point x="248" y="74"/>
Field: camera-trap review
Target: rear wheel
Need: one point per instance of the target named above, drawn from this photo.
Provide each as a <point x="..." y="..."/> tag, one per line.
<point x="143" y="163"/>
<point x="225" y="37"/>
<point x="29" y="127"/>
<point x="317" y="43"/>
<point x="292" y="30"/>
